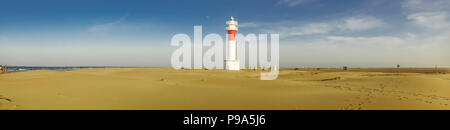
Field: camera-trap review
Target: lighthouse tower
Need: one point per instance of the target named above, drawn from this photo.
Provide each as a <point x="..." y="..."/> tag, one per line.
<point x="231" y="62"/>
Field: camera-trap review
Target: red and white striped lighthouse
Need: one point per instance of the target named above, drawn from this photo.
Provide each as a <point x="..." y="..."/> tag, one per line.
<point x="231" y="62"/>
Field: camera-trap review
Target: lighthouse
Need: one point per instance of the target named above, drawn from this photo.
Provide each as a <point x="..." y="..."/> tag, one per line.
<point x="231" y="62"/>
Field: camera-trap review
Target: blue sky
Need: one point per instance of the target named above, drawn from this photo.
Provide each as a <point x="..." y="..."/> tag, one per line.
<point x="314" y="33"/>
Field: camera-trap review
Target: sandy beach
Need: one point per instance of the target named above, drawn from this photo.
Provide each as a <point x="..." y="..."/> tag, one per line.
<point x="166" y="88"/>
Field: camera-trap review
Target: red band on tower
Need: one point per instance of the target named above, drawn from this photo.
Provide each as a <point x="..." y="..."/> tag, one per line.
<point x="232" y="35"/>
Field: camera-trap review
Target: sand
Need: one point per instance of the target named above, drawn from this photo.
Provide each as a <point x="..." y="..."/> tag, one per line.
<point x="166" y="88"/>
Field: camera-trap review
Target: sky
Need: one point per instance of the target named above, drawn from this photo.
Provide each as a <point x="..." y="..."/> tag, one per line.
<point x="313" y="33"/>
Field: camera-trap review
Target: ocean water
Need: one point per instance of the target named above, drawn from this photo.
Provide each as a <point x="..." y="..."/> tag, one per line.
<point x="28" y="68"/>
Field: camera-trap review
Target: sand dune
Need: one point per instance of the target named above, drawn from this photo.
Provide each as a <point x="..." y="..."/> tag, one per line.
<point x="165" y="88"/>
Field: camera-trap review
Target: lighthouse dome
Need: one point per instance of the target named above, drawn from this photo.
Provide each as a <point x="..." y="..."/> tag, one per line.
<point x="232" y="24"/>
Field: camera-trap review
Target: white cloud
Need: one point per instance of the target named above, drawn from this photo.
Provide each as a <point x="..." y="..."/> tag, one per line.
<point x="348" y="24"/>
<point x="424" y="49"/>
<point x="335" y="43"/>
<point x="425" y="5"/>
<point x="375" y="51"/>
<point x="291" y="3"/>
<point x="313" y="28"/>
<point x="348" y="41"/>
<point x="430" y="14"/>
<point x="377" y="41"/>
<point x="106" y="26"/>
<point x="249" y="25"/>
<point x="431" y="20"/>
<point x="360" y="23"/>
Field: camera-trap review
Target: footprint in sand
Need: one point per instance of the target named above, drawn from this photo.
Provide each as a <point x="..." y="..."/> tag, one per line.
<point x="4" y="98"/>
<point x="352" y="107"/>
<point x="5" y="103"/>
<point x="61" y="94"/>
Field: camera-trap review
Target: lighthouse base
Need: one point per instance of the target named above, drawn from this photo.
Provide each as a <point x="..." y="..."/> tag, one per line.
<point x="232" y="65"/>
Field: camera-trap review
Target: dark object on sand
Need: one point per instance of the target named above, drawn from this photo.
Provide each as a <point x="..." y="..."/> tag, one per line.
<point x="345" y="68"/>
<point x="335" y="78"/>
<point x="435" y="69"/>
<point x="398" y="65"/>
